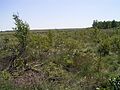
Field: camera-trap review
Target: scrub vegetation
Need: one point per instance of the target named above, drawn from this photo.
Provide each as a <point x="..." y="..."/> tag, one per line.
<point x="75" y="59"/>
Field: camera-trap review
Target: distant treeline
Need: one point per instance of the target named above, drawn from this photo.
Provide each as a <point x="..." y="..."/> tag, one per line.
<point x="106" y="24"/>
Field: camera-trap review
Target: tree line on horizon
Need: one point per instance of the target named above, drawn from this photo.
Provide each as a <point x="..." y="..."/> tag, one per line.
<point x="105" y="24"/>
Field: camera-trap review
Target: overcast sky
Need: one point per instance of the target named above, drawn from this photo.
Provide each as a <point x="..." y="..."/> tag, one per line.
<point x="58" y="13"/>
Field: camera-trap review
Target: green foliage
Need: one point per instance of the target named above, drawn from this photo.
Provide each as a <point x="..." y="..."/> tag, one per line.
<point x="106" y="24"/>
<point x="22" y="35"/>
<point x="103" y="48"/>
<point x="115" y="83"/>
<point x="5" y="75"/>
<point x="50" y="36"/>
<point x="115" y="43"/>
<point x="21" y="30"/>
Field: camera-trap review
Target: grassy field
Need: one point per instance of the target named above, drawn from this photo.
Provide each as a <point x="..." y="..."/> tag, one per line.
<point x="66" y="59"/>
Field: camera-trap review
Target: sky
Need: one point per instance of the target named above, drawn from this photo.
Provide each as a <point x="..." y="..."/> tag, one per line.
<point x="55" y="14"/>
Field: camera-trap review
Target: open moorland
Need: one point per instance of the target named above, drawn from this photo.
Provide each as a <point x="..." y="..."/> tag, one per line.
<point x="66" y="59"/>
